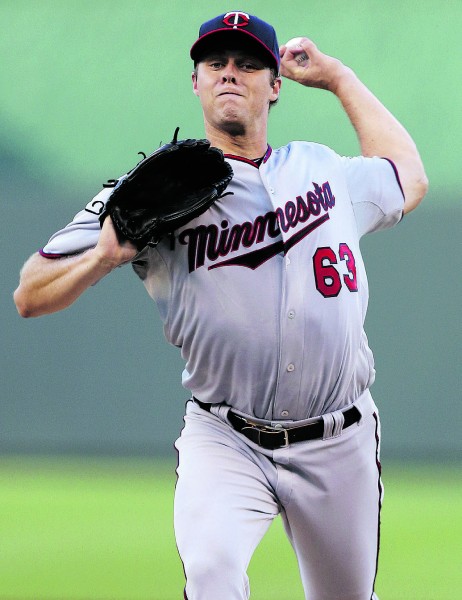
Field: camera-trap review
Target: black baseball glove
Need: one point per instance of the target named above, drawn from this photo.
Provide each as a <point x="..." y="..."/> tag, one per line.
<point x="165" y="190"/>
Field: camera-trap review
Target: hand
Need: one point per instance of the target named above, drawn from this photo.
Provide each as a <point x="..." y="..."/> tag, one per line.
<point x="112" y="251"/>
<point x="320" y="71"/>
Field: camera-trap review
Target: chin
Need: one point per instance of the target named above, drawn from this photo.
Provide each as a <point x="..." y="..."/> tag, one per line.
<point x="232" y="123"/>
<point x="234" y="128"/>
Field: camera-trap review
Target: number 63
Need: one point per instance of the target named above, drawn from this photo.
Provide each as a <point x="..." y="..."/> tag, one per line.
<point x="327" y="277"/>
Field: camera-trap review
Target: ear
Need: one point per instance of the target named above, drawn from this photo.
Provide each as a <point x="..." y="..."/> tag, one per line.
<point x="194" y="82"/>
<point x="276" y="88"/>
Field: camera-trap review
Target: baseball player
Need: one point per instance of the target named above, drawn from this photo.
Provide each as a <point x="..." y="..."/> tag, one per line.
<point x="266" y="295"/>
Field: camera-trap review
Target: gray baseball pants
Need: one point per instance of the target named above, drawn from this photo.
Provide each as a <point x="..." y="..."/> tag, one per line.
<point x="327" y="491"/>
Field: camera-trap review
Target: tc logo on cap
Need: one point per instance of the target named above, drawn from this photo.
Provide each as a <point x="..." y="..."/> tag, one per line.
<point x="236" y="19"/>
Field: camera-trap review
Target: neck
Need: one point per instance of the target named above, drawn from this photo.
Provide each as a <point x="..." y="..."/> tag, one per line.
<point x="241" y="145"/>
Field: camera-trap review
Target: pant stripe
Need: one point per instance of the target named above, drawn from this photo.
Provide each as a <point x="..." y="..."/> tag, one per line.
<point x="380" y="490"/>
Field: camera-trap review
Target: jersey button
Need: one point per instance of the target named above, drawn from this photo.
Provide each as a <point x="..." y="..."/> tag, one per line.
<point x="284" y="413"/>
<point x="290" y="367"/>
<point x="291" y="314"/>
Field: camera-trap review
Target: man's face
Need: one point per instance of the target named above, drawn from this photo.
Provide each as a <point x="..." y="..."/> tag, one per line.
<point x="235" y="88"/>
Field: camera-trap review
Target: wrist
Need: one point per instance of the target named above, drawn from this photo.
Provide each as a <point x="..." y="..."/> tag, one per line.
<point x="99" y="263"/>
<point x="343" y="78"/>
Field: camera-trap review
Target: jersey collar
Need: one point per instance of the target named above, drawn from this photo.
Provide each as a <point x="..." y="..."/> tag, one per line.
<point x="249" y="161"/>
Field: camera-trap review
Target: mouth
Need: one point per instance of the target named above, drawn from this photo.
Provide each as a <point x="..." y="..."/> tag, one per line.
<point x="228" y="93"/>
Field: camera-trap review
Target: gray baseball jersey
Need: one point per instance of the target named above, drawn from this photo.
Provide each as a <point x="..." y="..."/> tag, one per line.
<point x="266" y="293"/>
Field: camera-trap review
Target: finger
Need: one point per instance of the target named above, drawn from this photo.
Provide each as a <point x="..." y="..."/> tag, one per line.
<point x="294" y="58"/>
<point x="296" y="50"/>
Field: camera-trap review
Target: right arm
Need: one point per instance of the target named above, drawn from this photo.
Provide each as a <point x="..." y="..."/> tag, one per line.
<point x="379" y="132"/>
<point x="49" y="285"/>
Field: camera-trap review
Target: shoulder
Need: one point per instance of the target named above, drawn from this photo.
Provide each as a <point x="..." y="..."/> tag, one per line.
<point x="300" y="150"/>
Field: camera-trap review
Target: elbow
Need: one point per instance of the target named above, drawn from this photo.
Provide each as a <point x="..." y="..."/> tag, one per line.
<point x="422" y="185"/>
<point x="23" y="305"/>
<point x="415" y="193"/>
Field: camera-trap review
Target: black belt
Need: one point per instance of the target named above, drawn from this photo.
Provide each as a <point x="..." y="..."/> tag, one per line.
<point x="275" y="437"/>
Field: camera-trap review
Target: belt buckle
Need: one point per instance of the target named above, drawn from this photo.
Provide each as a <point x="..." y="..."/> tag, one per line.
<point x="266" y="429"/>
<point x="286" y="435"/>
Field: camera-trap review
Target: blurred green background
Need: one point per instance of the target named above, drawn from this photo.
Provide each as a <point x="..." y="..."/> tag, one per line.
<point x="84" y="87"/>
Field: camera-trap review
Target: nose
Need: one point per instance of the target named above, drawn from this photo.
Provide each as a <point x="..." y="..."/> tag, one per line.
<point x="229" y="73"/>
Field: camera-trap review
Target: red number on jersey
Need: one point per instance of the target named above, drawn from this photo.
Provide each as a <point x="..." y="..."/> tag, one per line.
<point x="327" y="278"/>
<point x="350" y="280"/>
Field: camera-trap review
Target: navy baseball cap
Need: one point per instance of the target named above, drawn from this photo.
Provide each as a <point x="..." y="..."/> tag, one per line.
<point x="238" y="25"/>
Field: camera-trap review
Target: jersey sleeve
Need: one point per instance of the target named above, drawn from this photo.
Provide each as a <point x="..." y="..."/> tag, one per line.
<point x="82" y="233"/>
<point x="375" y="192"/>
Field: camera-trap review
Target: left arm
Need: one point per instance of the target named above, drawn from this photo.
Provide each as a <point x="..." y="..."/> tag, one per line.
<point x="379" y="132"/>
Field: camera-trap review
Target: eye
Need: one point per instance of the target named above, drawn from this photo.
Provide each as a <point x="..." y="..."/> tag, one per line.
<point x="216" y="64"/>
<point x="248" y="66"/>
